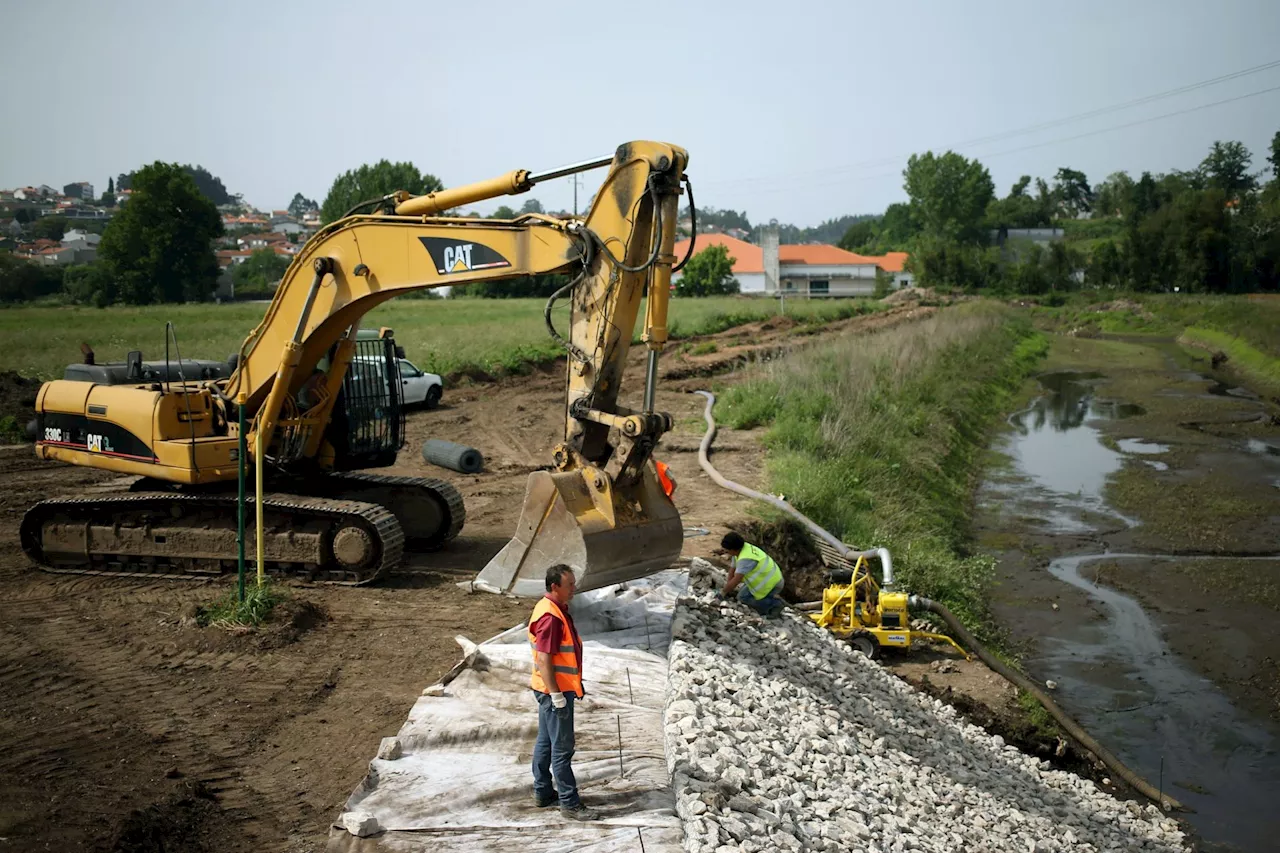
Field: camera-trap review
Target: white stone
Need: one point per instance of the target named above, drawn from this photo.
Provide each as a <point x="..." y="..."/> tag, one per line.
<point x="360" y="824"/>
<point x="389" y="749"/>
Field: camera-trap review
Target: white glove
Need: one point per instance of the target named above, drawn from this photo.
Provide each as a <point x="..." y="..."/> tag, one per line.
<point x="558" y="700"/>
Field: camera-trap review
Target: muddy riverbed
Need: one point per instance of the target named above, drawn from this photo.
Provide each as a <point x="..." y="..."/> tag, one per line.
<point x="1134" y="507"/>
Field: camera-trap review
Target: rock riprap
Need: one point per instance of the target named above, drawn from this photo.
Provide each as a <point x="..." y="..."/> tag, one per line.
<point x="781" y="737"/>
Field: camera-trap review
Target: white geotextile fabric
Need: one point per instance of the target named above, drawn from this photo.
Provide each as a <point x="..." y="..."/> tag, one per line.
<point x="463" y="780"/>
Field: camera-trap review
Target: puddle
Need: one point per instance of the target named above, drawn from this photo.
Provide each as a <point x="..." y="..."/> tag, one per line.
<point x="1262" y="448"/>
<point x="1222" y="389"/>
<point x="1057" y="446"/>
<point x="1137" y="445"/>
<point x="1159" y="466"/>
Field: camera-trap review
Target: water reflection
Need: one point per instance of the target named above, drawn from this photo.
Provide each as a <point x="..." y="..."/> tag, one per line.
<point x="1056" y="445"/>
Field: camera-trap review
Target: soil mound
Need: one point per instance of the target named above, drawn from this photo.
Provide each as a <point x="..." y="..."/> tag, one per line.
<point x="17" y="404"/>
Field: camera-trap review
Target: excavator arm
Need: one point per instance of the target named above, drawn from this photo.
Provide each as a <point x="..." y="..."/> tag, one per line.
<point x="623" y="246"/>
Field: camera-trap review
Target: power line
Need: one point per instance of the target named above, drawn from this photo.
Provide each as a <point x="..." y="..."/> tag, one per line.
<point x="1022" y="131"/>
<point x="1033" y="145"/>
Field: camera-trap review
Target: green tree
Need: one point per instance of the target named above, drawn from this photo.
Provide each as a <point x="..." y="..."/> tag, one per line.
<point x="708" y="273"/>
<point x="1018" y="209"/>
<point x="898" y="228"/>
<point x="1227" y="168"/>
<point x="49" y="227"/>
<point x="1106" y="267"/>
<point x="159" y="247"/>
<point x="209" y="185"/>
<point x="90" y="284"/>
<point x="371" y="182"/>
<point x="860" y="237"/>
<point x="22" y="281"/>
<point x="1110" y="196"/>
<point x="1061" y="263"/>
<point x="1274" y="159"/>
<point x="1072" y="191"/>
<point x="503" y="212"/>
<point x="259" y="272"/>
<point x="111" y="187"/>
<point x="949" y="195"/>
<point x="301" y="205"/>
<point x="532" y="205"/>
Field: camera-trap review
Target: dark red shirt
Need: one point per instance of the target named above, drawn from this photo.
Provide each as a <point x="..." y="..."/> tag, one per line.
<point x="548" y="632"/>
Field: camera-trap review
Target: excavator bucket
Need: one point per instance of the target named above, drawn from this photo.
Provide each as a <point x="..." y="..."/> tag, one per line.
<point x="606" y="534"/>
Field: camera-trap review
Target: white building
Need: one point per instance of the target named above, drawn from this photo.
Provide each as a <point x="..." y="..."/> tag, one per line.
<point x="809" y="271"/>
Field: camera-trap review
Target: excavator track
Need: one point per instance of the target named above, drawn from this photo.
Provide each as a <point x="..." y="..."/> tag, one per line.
<point x="174" y="535"/>
<point x="430" y="511"/>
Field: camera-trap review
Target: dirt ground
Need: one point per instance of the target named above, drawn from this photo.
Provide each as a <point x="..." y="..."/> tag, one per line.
<point x="125" y="727"/>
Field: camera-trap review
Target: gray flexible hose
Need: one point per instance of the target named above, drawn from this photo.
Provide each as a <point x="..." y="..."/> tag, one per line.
<point x="957" y="627"/>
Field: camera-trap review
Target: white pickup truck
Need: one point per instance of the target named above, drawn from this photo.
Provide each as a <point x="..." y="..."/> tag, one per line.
<point x="418" y="388"/>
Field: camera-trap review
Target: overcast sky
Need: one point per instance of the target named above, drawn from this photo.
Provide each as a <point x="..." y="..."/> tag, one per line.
<point x="790" y="110"/>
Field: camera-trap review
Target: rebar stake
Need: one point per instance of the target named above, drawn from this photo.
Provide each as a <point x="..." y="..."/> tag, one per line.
<point x="619" y="719"/>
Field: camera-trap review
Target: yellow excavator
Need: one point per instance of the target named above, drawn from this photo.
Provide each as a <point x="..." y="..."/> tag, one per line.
<point x="322" y="410"/>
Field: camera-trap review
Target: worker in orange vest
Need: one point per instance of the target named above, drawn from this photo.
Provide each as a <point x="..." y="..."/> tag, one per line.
<point x="556" y="681"/>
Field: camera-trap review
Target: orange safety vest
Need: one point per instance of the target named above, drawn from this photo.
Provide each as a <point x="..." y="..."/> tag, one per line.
<point x="667" y="482"/>
<point x="564" y="663"/>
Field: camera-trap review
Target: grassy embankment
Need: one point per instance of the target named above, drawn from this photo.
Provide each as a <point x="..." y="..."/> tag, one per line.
<point x="1245" y="328"/>
<point x="879" y="438"/>
<point x="449" y="337"/>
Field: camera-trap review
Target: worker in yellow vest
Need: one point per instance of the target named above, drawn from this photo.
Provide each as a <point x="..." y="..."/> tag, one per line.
<point x="557" y="682"/>
<point x="756" y="572"/>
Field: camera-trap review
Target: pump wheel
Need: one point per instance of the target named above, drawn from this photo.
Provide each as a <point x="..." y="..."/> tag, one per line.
<point x="865" y="643"/>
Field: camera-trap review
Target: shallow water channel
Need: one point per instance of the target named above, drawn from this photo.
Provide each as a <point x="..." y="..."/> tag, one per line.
<point x="1113" y="669"/>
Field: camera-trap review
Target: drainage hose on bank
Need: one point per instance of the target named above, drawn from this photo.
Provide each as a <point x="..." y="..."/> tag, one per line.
<point x="957" y="627"/>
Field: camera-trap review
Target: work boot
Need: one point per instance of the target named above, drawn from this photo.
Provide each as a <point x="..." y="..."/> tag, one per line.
<point x="542" y="803"/>
<point x="579" y="812"/>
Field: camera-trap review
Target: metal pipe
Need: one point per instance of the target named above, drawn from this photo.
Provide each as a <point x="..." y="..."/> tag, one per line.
<point x="257" y="504"/>
<point x="839" y="547"/>
<point x="572" y="169"/>
<point x="651" y="382"/>
<point x="240" y="461"/>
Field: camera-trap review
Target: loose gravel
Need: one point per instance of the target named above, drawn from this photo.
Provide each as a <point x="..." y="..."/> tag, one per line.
<point x="781" y="737"/>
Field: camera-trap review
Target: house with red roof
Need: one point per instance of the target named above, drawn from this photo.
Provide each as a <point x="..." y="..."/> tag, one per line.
<point x="814" y="270"/>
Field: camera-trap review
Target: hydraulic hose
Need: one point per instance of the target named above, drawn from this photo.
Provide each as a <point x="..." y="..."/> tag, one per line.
<point x="967" y="640"/>
<point x="1072" y="728"/>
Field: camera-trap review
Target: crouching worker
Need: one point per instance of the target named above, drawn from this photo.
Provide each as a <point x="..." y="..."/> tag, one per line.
<point x="557" y="682"/>
<point x="757" y="574"/>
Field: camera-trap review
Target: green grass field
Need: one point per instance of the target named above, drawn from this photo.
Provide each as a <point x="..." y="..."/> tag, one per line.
<point x="449" y="337"/>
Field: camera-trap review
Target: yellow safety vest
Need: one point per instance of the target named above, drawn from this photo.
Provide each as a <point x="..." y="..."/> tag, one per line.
<point x="765" y="576"/>
<point x="564" y="662"/>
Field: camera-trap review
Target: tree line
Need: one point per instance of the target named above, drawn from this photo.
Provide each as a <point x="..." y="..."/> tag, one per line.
<point x="1211" y="229"/>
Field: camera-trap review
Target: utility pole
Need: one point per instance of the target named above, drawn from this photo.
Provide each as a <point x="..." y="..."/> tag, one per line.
<point x="574" y="178"/>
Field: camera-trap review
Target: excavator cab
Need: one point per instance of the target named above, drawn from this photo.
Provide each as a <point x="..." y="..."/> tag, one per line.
<point x="367" y="429"/>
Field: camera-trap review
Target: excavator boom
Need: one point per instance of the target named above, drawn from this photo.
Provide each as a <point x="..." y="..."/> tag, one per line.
<point x="601" y="508"/>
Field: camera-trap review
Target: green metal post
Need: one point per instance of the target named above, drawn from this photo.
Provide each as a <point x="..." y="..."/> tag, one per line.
<point x="240" y="507"/>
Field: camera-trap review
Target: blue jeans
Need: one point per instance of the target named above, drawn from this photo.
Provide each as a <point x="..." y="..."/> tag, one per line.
<point x="553" y="750"/>
<point x="766" y="606"/>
